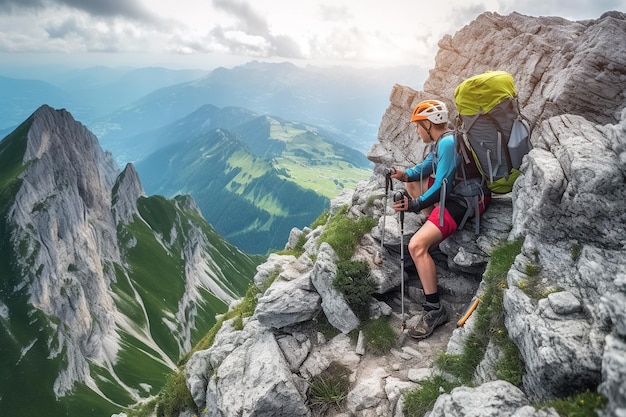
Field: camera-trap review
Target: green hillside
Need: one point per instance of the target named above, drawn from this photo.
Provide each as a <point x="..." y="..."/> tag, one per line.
<point x="257" y="181"/>
<point x="305" y="155"/>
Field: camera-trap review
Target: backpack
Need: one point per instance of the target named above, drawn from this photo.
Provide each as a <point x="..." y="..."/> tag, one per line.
<point x="493" y="134"/>
<point x="469" y="191"/>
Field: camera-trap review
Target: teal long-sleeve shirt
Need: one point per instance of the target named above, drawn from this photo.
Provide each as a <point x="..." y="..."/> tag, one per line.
<point x="443" y="161"/>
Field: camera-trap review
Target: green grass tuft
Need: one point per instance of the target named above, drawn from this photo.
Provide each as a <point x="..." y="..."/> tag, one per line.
<point x="330" y="387"/>
<point x="379" y="335"/>
<point x="343" y="233"/>
<point x="175" y="397"/>
<point x="420" y="401"/>
<point x="586" y="404"/>
<point x="489" y="325"/>
<point x="298" y="249"/>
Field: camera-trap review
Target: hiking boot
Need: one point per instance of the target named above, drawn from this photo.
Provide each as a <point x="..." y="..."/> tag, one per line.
<point x="429" y="322"/>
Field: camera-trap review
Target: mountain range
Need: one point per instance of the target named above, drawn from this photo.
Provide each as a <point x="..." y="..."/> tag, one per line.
<point x="118" y="103"/>
<point x="335" y="108"/>
<point x="89" y="93"/>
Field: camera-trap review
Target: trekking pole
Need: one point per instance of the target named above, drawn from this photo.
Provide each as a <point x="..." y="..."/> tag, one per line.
<point x="388" y="186"/>
<point x="398" y="197"/>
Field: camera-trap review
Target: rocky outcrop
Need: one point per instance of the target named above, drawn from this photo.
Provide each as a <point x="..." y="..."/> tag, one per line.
<point x="492" y="399"/>
<point x="569" y="208"/>
<point x="566" y="206"/>
<point x="126" y="192"/>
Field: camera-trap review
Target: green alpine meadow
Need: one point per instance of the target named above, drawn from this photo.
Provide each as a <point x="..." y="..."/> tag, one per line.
<point x="255" y="180"/>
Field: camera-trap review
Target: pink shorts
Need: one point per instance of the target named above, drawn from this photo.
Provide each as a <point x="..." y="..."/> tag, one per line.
<point x="449" y="224"/>
<point x="452" y="217"/>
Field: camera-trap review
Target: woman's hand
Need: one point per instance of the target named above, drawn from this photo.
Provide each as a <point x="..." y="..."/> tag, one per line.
<point x="398" y="174"/>
<point x="402" y="204"/>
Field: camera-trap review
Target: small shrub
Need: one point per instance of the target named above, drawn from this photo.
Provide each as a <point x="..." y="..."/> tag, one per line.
<point x="353" y="279"/>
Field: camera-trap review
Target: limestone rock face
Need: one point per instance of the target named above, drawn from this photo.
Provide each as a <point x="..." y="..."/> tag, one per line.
<point x="568" y="203"/>
<point x="560" y="67"/>
<point x="64" y="204"/>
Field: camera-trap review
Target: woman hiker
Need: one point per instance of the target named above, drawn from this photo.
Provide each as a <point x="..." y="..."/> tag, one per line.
<point x="424" y="184"/>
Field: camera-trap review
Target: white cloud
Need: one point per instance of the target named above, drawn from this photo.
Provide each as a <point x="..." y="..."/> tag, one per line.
<point x="389" y="32"/>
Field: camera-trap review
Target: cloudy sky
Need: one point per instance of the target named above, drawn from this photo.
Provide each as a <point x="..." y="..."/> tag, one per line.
<point x="209" y="33"/>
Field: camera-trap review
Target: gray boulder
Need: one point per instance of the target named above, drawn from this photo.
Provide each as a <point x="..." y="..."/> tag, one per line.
<point x="287" y="303"/>
<point x="492" y="399"/>
<point x="263" y="386"/>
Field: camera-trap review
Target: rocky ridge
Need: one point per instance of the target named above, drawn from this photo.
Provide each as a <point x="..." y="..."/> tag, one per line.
<point x="567" y="206"/>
